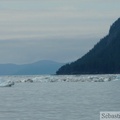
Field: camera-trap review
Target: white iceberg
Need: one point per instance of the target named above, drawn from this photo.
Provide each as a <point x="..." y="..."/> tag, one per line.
<point x="7" y="84"/>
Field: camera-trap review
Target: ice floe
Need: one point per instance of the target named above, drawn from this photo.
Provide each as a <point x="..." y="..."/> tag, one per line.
<point x="7" y="84"/>
<point x="11" y="80"/>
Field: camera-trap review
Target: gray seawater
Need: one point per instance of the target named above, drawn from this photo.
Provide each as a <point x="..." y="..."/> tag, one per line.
<point x="59" y="100"/>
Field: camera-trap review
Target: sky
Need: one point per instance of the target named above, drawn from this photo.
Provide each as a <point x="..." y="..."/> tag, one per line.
<point x="58" y="30"/>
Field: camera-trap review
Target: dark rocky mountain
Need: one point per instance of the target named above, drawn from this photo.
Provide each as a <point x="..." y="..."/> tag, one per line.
<point x="37" y="68"/>
<point x="104" y="58"/>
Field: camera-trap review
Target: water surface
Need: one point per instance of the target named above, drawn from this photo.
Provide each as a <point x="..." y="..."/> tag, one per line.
<point x="58" y="100"/>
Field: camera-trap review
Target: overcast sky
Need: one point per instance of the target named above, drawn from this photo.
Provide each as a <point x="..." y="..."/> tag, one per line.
<point x="59" y="30"/>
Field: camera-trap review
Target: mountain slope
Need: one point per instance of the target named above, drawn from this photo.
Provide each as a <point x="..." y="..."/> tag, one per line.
<point x="40" y="67"/>
<point x="37" y="68"/>
<point x="104" y="58"/>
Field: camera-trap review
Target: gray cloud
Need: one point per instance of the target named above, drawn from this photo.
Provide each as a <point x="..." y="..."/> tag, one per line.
<point x="24" y="51"/>
<point x="61" y="30"/>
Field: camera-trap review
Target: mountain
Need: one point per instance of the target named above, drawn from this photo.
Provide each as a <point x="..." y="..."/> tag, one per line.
<point x="103" y="58"/>
<point x="37" y="68"/>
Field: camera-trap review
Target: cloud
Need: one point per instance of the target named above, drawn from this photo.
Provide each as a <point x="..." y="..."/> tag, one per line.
<point x="20" y="24"/>
<point x="52" y="29"/>
<point x="31" y="50"/>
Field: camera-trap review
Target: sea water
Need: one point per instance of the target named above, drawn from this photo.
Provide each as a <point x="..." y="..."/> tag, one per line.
<point x="59" y="97"/>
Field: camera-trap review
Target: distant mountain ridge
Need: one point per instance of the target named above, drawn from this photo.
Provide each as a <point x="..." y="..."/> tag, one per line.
<point x="104" y="58"/>
<point x="37" y="68"/>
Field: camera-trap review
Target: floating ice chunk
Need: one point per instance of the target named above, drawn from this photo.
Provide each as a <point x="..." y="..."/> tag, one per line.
<point x="29" y="80"/>
<point x="7" y="84"/>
